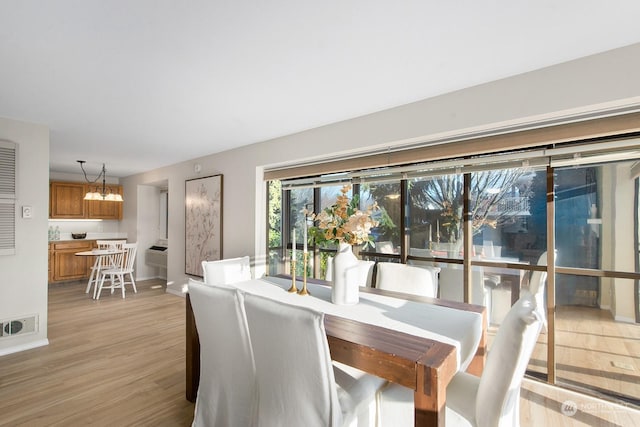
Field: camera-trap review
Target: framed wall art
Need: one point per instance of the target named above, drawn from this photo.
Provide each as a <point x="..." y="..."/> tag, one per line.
<point x="203" y="222"/>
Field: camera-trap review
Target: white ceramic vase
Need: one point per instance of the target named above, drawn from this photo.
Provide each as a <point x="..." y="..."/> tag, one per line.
<point x="345" y="290"/>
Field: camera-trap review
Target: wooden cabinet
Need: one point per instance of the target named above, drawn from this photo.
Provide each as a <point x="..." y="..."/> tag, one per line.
<point x="65" y="264"/>
<point x="66" y="201"/>
<point x="105" y="209"/>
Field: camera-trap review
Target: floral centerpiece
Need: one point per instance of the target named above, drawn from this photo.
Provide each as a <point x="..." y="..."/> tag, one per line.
<point x="344" y="222"/>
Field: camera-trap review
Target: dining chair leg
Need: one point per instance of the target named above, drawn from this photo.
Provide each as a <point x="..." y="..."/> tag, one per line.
<point x="121" y="276"/>
<point x="93" y="277"/>
<point x="133" y="283"/>
<point x="98" y="288"/>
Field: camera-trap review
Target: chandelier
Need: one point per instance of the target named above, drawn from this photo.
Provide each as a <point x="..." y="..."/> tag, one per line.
<point x="106" y="193"/>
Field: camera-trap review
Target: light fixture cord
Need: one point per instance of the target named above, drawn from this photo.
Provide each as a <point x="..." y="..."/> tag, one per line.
<point x="102" y="173"/>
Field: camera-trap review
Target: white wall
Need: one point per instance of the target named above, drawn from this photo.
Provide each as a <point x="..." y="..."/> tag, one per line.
<point x="23" y="276"/>
<point x="148" y="230"/>
<point x="600" y="80"/>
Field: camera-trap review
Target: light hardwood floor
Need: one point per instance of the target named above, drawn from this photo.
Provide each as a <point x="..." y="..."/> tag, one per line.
<point x="116" y="362"/>
<point x="111" y="362"/>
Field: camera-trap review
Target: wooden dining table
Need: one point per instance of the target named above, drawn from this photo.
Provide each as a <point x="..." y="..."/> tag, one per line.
<point x="423" y="364"/>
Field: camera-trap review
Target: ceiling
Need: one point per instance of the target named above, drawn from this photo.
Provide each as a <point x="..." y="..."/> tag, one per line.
<point x="140" y="84"/>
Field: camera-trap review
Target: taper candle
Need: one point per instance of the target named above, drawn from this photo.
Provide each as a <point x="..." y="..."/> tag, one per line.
<point x="293" y="244"/>
<point x="305" y="236"/>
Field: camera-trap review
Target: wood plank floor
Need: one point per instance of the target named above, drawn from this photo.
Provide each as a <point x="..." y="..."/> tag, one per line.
<point x="111" y="362"/>
<point x="116" y="362"/>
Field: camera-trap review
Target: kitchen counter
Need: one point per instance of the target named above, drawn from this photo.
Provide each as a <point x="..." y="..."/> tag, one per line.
<point x="66" y="237"/>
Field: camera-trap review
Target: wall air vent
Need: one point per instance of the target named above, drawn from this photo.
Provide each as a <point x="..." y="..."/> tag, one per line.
<point x="20" y="326"/>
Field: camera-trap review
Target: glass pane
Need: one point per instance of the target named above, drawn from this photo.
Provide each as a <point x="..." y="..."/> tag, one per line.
<point x="594" y="229"/>
<point x="435" y="216"/>
<point x="275" y="228"/>
<point x="300" y="199"/>
<point x="328" y="197"/>
<point x="387" y="235"/>
<point x="276" y="262"/>
<point x="504" y="286"/>
<point x="508" y="208"/>
<point x="594" y="348"/>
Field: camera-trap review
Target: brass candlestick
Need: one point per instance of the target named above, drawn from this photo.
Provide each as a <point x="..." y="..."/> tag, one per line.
<point x="304" y="291"/>
<point x="293" y="277"/>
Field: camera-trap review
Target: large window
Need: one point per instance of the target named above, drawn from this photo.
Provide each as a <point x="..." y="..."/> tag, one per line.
<point x="486" y="227"/>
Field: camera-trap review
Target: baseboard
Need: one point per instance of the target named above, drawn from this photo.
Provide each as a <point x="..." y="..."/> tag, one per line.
<point x="150" y="278"/>
<point x="177" y="292"/>
<point x="624" y="319"/>
<point x="23" y="347"/>
<point x="605" y="307"/>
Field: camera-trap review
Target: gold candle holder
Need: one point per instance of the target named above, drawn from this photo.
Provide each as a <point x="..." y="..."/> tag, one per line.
<point x="304" y="291"/>
<point x="293" y="288"/>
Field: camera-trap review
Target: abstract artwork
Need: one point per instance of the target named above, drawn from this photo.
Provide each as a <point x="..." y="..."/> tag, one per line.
<point x="203" y="222"/>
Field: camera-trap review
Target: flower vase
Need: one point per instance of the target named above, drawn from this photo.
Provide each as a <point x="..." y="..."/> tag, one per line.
<point x="345" y="290"/>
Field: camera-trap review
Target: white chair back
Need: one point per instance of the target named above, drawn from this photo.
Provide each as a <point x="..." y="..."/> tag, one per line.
<point x="295" y="375"/>
<point x="537" y="285"/>
<point x="227" y="393"/>
<point x="452" y="285"/>
<point x="226" y="271"/>
<point x="498" y="396"/>
<point x="385" y="247"/>
<point x="129" y="256"/>
<point x="491" y="400"/>
<point x="109" y="244"/>
<point x="405" y="278"/>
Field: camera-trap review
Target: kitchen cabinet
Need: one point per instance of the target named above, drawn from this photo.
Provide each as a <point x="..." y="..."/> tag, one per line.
<point x="106" y="209"/>
<point x="66" y="201"/>
<point x="65" y="265"/>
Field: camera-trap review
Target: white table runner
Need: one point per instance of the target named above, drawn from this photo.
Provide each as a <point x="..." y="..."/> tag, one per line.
<point x="462" y="329"/>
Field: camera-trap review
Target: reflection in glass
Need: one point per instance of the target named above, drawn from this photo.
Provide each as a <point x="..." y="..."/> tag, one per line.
<point x="595" y="350"/>
<point x="435" y="215"/>
<point x="594" y="223"/>
<point x="387" y="195"/>
<point x="275" y="227"/>
<point x="508" y="210"/>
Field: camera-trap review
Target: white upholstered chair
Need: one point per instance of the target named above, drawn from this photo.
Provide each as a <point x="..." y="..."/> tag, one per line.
<point x="363" y="274"/>
<point x="406" y="278"/>
<point x="226" y="271"/>
<point x="124" y="265"/>
<point x="452" y="285"/>
<point x="298" y="383"/>
<point x="227" y="392"/>
<point x="102" y="262"/>
<point x="491" y="400"/>
<point x="537" y="284"/>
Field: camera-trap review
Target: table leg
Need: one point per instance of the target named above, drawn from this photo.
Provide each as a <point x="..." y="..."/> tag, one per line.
<point x="429" y="399"/>
<point x="192" y="354"/>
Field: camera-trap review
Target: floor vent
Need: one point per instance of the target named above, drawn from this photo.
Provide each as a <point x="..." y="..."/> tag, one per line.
<point x="20" y="326"/>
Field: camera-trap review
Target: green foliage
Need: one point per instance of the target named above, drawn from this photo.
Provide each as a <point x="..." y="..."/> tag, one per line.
<point x="275" y="214"/>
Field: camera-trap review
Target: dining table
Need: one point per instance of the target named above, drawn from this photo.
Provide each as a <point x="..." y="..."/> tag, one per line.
<point x="414" y="341"/>
<point x="103" y="257"/>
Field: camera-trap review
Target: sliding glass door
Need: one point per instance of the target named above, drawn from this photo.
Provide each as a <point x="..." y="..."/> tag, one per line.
<point x="553" y="222"/>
